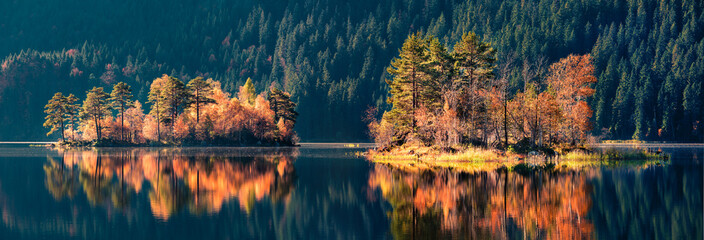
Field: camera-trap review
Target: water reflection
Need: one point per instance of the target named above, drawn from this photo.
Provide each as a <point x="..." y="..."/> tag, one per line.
<point x="640" y="200"/>
<point x="243" y="193"/>
<point x="200" y="182"/>
<point x="497" y="204"/>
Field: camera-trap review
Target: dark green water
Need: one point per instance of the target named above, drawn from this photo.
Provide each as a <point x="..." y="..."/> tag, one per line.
<point x="323" y="191"/>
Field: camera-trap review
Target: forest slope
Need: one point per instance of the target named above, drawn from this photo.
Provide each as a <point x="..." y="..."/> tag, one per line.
<point x="331" y="55"/>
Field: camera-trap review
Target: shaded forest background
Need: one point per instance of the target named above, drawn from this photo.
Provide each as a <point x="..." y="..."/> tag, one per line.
<point x="332" y="55"/>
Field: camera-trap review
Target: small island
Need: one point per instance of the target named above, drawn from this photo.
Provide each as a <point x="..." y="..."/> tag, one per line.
<point x="198" y="113"/>
<point x="452" y="108"/>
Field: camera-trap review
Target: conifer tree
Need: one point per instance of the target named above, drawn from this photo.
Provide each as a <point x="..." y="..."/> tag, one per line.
<point x="408" y="72"/>
<point x="693" y="107"/>
<point x="199" y="92"/>
<point x="121" y="98"/>
<point x="280" y="102"/>
<point x="95" y="108"/>
<point x="175" y="96"/>
<point x="55" y="114"/>
<point x="72" y="111"/>
<point x="439" y="65"/>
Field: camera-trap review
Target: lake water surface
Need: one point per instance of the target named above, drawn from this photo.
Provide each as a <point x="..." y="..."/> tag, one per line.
<point x="324" y="191"/>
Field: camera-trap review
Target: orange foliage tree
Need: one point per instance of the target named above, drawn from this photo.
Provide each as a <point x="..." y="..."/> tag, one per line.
<point x="135" y="122"/>
<point x="570" y="79"/>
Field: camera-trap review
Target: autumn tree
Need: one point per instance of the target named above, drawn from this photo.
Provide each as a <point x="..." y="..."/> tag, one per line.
<point x="199" y="91"/>
<point x="121" y="98"/>
<point x="247" y="92"/>
<point x="95" y="108"/>
<point x="158" y="102"/>
<point x="135" y="119"/>
<point x="532" y="72"/>
<point x="501" y="90"/>
<point x="379" y="130"/>
<point x="540" y="112"/>
<point x="570" y="79"/>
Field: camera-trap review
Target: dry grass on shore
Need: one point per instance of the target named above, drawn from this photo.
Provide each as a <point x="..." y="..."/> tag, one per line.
<point x="475" y="159"/>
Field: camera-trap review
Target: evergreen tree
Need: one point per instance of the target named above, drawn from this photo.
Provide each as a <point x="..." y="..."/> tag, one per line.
<point x="693" y="107"/>
<point x="55" y="114"/>
<point x="174" y="96"/>
<point x="408" y="73"/>
<point x="439" y="65"/>
<point x="200" y="92"/>
<point x="283" y="107"/>
<point x="121" y="98"/>
<point x="72" y="112"/>
<point x="95" y="108"/>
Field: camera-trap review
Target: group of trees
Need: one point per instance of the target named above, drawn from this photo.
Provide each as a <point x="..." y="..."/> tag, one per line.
<point x="446" y="98"/>
<point x="648" y="55"/>
<point x="195" y="113"/>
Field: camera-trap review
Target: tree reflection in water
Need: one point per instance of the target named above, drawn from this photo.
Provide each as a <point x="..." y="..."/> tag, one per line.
<point x="199" y="181"/>
<point x="492" y="204"/>
<point x="60" y="181"/>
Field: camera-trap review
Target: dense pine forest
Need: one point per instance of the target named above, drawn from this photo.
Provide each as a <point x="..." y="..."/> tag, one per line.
<point x="332" y="56"/>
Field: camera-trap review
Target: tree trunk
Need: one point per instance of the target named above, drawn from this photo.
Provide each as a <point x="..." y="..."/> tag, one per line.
<point x="197" y="108"/>
<point x="122" y="125"/>
<point x="413" y="101"/>
<point x="97" y="127"/>
<point x="505" y="120"/>
<point x="62" y="130"/>
<point x="73" y="128"/>
<point x="537" y="117"/>
<point x="158" y="122"/>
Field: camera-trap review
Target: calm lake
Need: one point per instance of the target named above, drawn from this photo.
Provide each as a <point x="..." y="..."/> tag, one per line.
<point x="323" y="191"/>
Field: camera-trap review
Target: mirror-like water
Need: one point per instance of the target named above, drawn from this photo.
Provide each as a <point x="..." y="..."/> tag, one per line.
<point x="322" y="191"/>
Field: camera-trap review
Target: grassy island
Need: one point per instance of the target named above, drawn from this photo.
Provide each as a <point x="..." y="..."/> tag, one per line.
<point x="458" y="109"/>
<point x="199" y="113"/>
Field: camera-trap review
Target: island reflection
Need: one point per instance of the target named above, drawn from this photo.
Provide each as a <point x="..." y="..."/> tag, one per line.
<point x="175" y="179"/>
<point x="485" y="205"/>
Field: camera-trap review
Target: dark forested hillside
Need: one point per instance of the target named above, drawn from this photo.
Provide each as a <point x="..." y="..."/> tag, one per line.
<point x="332" y="55"/>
